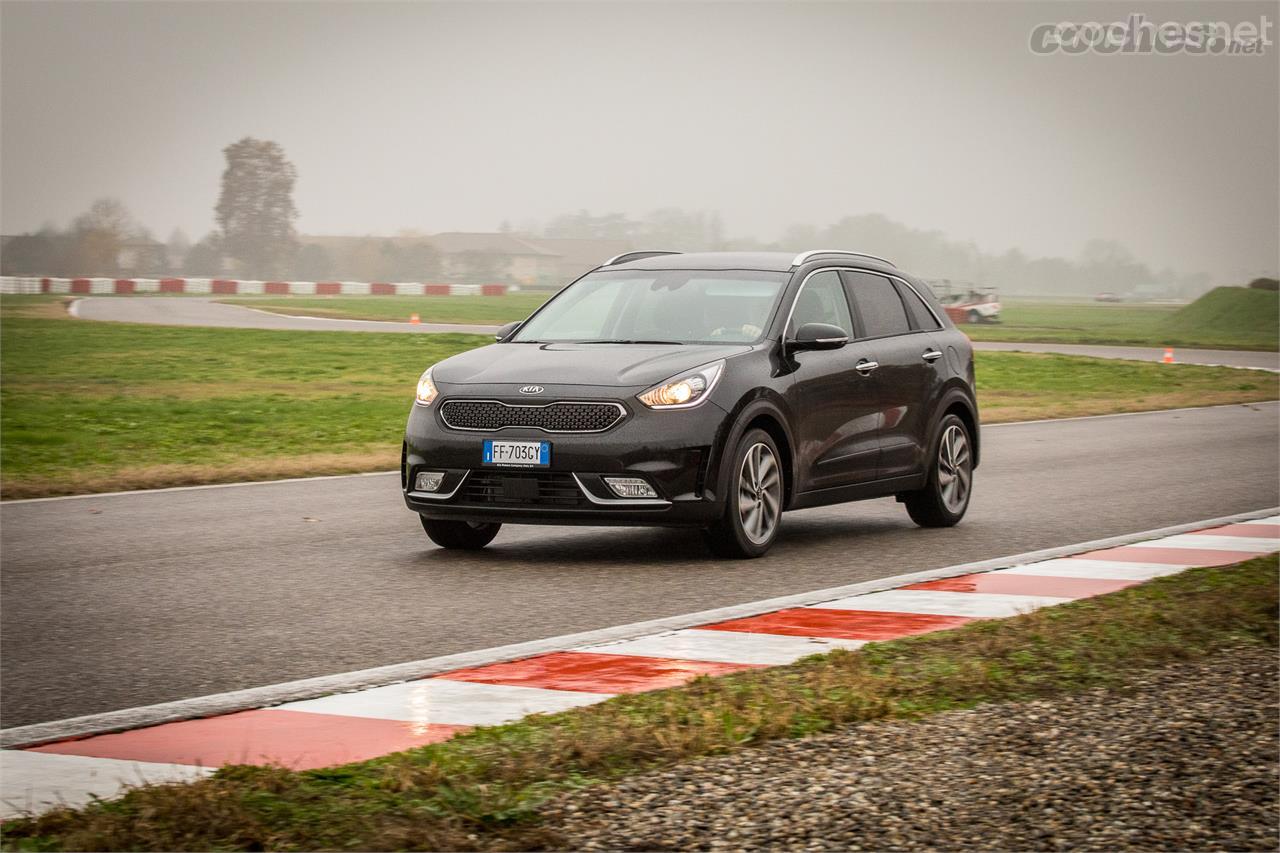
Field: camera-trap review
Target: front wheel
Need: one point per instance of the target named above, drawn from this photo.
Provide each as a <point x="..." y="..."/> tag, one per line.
<point x="464" y="535"/>
<point x="945" y="497"/>
<point x="753" y="510"/>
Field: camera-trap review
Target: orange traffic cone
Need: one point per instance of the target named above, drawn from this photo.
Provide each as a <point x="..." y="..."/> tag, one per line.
<point x="1168" y="356"/>
<point x="413" y="318"/>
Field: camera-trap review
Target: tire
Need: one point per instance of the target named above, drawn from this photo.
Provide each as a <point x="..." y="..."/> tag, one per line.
<point x="460" y="535"/>
<point x="974" y="316"/>
<point x="753" y="506"/>
<point x="945" y="497"/>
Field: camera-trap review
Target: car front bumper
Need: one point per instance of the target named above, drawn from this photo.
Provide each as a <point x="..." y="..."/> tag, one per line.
<point x="674" y="451"/>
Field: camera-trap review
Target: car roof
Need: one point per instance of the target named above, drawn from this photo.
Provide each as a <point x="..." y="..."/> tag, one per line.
<point x="766" y="261"/>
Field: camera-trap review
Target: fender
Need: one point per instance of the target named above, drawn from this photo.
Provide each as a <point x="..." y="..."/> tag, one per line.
<point x="765" y="402"/>
<point x="957" y="392"/>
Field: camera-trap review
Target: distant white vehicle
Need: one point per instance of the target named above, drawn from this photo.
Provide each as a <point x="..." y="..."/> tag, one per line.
<point x="966" y="302"/>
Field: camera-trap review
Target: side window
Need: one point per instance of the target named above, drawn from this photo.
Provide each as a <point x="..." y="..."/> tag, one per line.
<point x="921" y="317"/>
<point x="822" y="300"/>
<point x="878" y="305"/>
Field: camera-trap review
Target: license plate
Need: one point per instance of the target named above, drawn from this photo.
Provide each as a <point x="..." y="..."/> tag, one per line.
<point x="518" y="454"/>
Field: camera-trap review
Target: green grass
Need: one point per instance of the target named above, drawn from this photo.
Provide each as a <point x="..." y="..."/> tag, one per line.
<point x="483" y="789"/>
<point x="91" y="407"/>
<point x="1252" y="316"/>
<point x="478" y="310"/>
<point x="1226" y="318"/>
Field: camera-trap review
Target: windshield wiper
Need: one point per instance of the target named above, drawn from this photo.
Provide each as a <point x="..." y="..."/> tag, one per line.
<point x="628" y="341"/>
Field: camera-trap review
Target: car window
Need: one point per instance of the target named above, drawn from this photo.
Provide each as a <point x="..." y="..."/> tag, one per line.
<point x="921" y="316"/>
<point x="680" y="306"/>
<point x="822" y="300"/>
<point x="878" y="305"/>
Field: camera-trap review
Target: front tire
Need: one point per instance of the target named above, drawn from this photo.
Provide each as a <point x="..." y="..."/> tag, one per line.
<point x="945" y="497"/>
<point x="460" y="535"/>
<point x="753" y="507"/>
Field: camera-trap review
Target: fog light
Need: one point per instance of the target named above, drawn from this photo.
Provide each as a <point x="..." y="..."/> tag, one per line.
<point x="630" y="487"/>
<point x="428" y="481"/>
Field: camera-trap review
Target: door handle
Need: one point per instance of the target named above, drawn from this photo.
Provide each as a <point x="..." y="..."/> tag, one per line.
<point x="865" y="366"/>
<point x="931" y="355"/>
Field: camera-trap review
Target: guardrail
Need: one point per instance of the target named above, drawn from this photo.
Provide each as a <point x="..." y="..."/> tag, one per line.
<point x="14" y="285"/>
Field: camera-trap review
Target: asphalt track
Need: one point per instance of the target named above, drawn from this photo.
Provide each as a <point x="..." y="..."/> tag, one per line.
<point x="198" y="311"/>
<point x="110" y="602"/>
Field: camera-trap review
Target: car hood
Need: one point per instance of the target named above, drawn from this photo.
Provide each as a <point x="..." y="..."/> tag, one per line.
<point x="623" y="365"/>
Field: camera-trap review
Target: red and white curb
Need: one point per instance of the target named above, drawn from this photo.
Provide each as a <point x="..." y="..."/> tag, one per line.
<point x="569" y="672"/>
<point x="13" y="285"/>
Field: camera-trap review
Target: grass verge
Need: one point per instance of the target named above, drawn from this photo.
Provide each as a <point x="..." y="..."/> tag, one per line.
<point x="95" y="407"/>
<point x="480" y="310"/>
<point x="482" y="789"/>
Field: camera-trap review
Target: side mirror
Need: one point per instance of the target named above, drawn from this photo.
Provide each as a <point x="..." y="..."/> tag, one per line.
<point x="507" y="331"/>
<point x="814" y="336"/>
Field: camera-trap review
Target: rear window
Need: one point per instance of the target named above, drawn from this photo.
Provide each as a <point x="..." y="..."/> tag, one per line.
<point x="921" y="316"/>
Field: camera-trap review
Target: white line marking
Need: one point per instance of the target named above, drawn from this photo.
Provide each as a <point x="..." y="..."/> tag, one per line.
<point x="32" y="782"/>
<point x="979" y="605"/>
<point x="437" y="700"/>
<point x="199" y="488"/>
<point x="1076" y="567"/>
<point x="1256" y="544"/>
<point x="724" y="647"/>
<point x="1134" y="414"/>
<point x="309" y="688"/>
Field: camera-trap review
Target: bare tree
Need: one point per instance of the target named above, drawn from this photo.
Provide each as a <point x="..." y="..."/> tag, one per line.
<point x="255" y="208"/>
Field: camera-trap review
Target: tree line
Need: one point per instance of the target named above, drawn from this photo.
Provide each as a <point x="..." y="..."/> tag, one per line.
<point x="256" y="238"/>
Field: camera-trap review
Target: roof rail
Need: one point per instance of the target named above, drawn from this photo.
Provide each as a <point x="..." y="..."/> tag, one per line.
<point x="627" y="257"/>
<point x="805" y="256"/>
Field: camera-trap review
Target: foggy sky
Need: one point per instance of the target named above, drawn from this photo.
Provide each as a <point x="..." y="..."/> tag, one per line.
<point x="455" y="117"/>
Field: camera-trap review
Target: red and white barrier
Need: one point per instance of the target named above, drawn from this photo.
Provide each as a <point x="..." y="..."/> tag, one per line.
<point x="13" y="285"/>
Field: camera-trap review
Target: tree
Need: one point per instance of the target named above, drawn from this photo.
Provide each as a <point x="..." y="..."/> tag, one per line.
<point x="314" y="263"/>
<point x="255" y="208"/>
<point x="205" y="257"/>
<point x="176" y="248"/>
<point x="97" y="235"/>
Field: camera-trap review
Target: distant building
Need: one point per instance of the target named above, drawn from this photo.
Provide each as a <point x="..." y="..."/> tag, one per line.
<point x="577" y="256"/>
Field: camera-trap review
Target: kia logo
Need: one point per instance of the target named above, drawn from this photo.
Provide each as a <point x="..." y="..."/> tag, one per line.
<point x="532" y="389"/>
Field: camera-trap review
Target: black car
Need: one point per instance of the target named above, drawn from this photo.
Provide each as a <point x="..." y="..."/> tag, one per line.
<point x="712" y="390"/>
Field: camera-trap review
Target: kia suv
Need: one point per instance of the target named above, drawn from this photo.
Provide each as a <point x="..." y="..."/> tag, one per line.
<point x="711" y="390"/>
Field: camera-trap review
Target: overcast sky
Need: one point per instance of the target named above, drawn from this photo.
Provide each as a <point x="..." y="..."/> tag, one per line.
<point x="435" y="116"/>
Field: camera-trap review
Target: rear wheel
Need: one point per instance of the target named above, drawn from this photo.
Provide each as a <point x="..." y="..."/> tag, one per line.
<point x="975" y="316"/>
<point x="464" y="535"/>
<point x="945" y="497"/>
<point x="753" y="511"/>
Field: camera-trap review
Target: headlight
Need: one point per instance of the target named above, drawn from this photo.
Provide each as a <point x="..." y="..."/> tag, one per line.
<point x="427" y="390"/>
<point x="686" y="390"/>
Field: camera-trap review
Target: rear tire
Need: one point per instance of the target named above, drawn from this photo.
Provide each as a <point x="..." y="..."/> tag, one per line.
<point x="975" y="316"/>
<point x="945" y="497"/>
<point x="460" y="535"/>
<point x="753" y="505"/>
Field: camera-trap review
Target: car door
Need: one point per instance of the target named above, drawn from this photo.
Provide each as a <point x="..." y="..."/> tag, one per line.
<point x="838" y="412"/>
<point x="905" y="377"/>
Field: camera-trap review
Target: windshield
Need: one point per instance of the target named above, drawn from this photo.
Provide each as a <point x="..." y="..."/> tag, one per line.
<point x="659" y="306"/>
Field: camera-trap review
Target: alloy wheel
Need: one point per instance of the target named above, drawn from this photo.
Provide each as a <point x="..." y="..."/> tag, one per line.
<point x="759" y="493"/>
<point x="955" y="468"/>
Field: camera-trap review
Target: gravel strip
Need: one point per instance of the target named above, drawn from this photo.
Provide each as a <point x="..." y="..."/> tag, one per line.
<point x="1185" y="758"/>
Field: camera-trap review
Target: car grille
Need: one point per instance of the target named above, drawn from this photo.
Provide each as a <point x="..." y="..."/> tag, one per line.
<point x="489" y="415"/>
<point x="505" y="488"/>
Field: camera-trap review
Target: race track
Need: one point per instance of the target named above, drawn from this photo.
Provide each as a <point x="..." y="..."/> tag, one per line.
<point x="119" y="601"/>
<point x="198" y="311"/>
